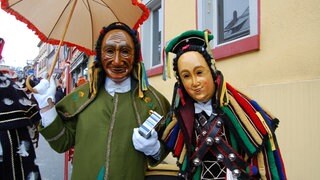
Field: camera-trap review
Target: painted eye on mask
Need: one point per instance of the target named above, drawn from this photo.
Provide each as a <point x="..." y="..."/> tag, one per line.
<point x="185" y="76"/>
<point x="199" y="72"/>
<point x="109" y="52"/>
<point x="125" y="52"/>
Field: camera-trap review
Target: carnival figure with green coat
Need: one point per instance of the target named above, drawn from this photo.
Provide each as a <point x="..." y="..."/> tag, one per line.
<point x="100" y="119"/>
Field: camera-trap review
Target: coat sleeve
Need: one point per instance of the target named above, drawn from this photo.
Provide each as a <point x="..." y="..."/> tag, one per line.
<point x="60" y="134"/>
<point x="161" y="106"/>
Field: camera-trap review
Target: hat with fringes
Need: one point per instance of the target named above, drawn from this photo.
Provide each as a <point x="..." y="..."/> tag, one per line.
<point x="188" y="38"/>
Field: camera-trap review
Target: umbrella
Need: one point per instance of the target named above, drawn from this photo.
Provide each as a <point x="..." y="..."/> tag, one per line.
<point x="49" y="18"/>
<point x="75" y="23"/>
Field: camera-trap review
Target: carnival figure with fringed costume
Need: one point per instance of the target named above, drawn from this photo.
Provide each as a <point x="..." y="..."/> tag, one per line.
<point x="214" y="130"/>
<point x="100" y="118"/>
<point x="19" y="118"/>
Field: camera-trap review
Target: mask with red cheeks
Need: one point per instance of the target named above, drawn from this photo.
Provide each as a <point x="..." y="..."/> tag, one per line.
<point x="117" y="55"/>
<point x="195" y="76"/>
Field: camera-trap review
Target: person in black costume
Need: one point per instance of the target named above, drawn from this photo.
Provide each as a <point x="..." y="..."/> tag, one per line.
<point x="19" y="117"/>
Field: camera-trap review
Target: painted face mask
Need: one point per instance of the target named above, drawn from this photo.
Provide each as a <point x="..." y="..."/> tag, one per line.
<point x="196" y="76"/>
<point x="117" y="55"/>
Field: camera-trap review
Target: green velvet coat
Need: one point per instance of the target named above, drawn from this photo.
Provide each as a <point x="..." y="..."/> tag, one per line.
<point x="100" y="130"/>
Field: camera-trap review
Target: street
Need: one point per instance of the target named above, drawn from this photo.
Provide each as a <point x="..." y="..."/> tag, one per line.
<point x="51" y="163"/>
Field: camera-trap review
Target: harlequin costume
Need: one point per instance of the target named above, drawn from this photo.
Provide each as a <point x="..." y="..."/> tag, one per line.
<point x="19" y="118"/>
<point x="236" y="141"/>
<point x="99" y="125"/>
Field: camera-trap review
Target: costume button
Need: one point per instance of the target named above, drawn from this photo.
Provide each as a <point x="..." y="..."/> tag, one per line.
<point x="181" y="175"/>
<point x="236" y="173"/>
<point x="217" y="140"/>
<point x="209" y="141"/>
<point x="204" y="133"/>
<point x="232" y="157"/>
<point x="219" y="123"/>
<point x="220" y="157"/>
<point x="196" y="162"/>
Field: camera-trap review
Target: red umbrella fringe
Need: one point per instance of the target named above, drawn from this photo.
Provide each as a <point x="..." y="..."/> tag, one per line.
<point x="144" y="15"/>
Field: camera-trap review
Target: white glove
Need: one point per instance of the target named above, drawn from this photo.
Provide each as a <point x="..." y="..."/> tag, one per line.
<point x="150" y="146"/>
<point x="46" y="90"/>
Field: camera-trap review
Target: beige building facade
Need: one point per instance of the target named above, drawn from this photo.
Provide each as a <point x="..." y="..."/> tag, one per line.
<point x="282" y="74"/>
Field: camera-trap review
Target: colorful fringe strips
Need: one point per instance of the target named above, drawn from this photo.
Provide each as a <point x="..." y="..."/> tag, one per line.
<point x="252" y="130"/>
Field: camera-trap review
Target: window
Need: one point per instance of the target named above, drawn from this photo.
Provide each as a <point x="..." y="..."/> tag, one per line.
<point x="151" y="38"/>
<point x="234" y="24"/>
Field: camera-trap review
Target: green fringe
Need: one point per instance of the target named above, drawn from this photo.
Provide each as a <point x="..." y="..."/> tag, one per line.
<point x="271" y="162"/>
<point x="233" y="142"/>
<point x="144" y="78"/>
<point x="197" y="174"/>
<point x="184" y="164"/>
<point x="239" y="129"/>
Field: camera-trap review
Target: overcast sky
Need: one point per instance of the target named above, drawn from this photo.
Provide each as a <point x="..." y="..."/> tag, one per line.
<point x="20" y="42"/>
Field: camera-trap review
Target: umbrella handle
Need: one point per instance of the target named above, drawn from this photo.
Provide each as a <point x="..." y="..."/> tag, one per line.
<point x="28" y="85"/>
<point x="61" y="41"/>
<point x="30" y="88"/>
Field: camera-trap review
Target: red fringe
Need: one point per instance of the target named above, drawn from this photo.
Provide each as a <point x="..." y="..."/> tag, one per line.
<point x="179" y="145"/>
<point x="248" y="109"/>
<point x="144" y="15"/>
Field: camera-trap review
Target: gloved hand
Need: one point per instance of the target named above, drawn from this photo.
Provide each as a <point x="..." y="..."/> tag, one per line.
<point x="46" y="90"/>
<point x="150" y="146"/>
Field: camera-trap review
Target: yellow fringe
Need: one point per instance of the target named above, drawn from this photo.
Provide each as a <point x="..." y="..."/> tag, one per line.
<point x="183" y="154"/>
<point x="169" y="128"/>
<point x="139" y="79"/>
<point x="273" y="146"/>
<point x="224" y="100"/>
<point x="245" y="120"/>
<point x="262" y="168"/>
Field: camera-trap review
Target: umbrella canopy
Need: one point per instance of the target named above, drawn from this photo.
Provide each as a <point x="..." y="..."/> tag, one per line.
<point x="75" y="23"/>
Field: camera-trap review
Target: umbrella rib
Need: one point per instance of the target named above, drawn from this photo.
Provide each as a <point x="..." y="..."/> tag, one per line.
<point x="62" y="39"/>
<point x="90" y="12"/>
<point x="13" y="4"/>
<point x="55" y="24"/>
<point x="103" y="3"/>
<point x="86" y="3"/>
